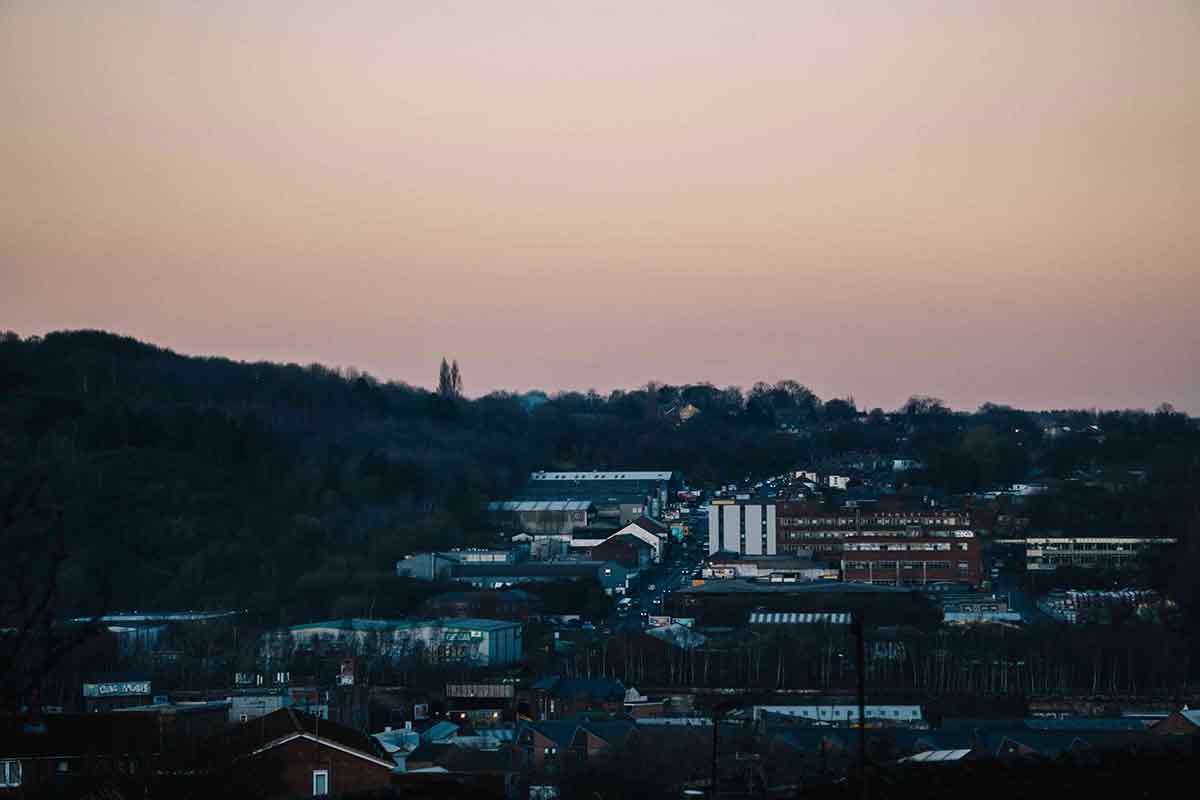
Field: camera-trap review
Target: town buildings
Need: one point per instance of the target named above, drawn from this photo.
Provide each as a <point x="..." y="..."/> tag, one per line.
<point x="745" y="527"/>
<point x="542" y="517"/>
<point x="654" y="487"/>
<point x="292" y="754"/>
<point x="1120" y="553"/>
<point x="482" y="642"/>
<point x="901" y="547"/>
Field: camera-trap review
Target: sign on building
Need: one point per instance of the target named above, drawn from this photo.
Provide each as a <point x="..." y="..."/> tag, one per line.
<point x="116" y="689"/>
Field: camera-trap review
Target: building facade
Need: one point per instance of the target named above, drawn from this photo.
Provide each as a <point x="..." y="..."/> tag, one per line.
<point x="480" y="642"/>
<point x="745" y="527"/>
<point x="1048" y="553"/>
<point x="906" y="560"/>
<point x="824" y="530"/>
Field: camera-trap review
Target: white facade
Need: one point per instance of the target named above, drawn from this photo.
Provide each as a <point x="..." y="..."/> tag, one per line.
<point x="844" y="713"/>
<point x="742" y="528"/>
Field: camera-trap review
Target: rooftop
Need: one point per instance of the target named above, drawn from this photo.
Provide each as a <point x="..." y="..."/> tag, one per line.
<point x="792" y="618"/>
<point x="747" y="586"/>
<point x="539" y="505"/>
<point x="615" y="475"/>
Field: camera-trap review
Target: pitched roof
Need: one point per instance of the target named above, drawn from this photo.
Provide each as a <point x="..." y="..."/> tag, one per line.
<point x="559" y="732"/>
<point x="613" y="732"/>
<point x="286" y="724"/>
<point x="652" y="525"/>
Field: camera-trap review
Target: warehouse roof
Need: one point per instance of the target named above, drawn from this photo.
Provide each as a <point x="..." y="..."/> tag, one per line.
<point x="615" y="475"/>
<point x="540" y="505"/>
<point x="745" y="586"/>
<point x="791" y="618"/>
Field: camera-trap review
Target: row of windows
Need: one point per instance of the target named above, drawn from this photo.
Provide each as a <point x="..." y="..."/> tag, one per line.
<point x="914" y="533"/>
<point x="914" y="546"/>
<point x="1108" y="547"/>
<point x="893" y="565"/>
<point x="808" y="522"/>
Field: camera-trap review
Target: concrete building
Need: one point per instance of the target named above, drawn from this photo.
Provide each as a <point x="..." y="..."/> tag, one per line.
<point x="544" y="517"/>
<point x="896" y="715"/>
<point x="777" y="568"/>
<point x="1047" y="553"/>
<point x="611" y="576"/>
<point x="655" y="486"/>
<point x="480" y="642"/>
<point x="427" y="566"/>
<point x="745" y="527"/>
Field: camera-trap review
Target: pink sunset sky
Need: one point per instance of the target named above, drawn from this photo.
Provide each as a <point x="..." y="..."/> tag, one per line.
<point x="980" y="201"/>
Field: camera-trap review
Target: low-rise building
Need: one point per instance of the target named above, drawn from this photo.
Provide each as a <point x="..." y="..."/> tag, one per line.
<point x="292" y="754"/>
<point x="895" y="715"/>
<point x="481" y="642"/>
<point x="1076" y="606"/>
<point x="778" y="569"/>
<point x="544" y="517"/>
<point x="611" y="576"/>
<point x="906" y="560"/>
<point x="1047" y="553"/>
<point x="744" y="527"/>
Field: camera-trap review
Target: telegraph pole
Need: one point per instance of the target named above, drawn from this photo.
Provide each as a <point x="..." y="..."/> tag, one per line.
<point x="856" y="623"/>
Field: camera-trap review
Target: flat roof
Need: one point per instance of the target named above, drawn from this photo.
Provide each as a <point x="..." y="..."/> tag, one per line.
<point x="793" y="618"/>
<point x="745" y="586"/>
<point x="613" y="475"/>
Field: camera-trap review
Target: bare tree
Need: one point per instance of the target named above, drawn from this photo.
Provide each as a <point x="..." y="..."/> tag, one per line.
<point x="32" y="537"/>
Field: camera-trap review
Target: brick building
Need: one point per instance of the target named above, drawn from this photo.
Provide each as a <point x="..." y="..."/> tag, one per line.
<point x="901" y="547"/>
<point x="292" y="754"/>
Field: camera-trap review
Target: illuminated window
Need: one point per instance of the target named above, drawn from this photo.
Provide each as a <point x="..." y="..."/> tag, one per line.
<point x="10" y="773"/>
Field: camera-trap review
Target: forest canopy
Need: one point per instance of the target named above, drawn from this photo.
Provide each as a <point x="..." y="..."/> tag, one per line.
<point x="289" y="490"/>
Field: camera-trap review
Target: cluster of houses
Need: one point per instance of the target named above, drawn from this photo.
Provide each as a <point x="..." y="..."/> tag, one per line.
<point x="803" y="552"/>
<point x="521" y="739"/>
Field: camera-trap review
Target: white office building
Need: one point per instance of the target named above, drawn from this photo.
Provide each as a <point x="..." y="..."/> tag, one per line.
<point x="745" y="527"/>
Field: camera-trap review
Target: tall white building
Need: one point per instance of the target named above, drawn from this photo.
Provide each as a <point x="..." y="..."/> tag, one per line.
<point x="745" y="527"/>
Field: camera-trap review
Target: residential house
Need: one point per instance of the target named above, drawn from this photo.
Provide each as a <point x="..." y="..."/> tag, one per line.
<point x="63" y="754"/>
<point x="289" y="753"/>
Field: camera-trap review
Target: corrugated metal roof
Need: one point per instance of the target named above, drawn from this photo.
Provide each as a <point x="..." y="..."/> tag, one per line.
<point x="795" y="618"/>
<point x="539" y="505"/>
<point x="933" y="756"/>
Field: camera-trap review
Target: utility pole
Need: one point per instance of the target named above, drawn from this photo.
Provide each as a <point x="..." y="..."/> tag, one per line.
<point x="856" y="624"/>
<point x="716" y="720"/>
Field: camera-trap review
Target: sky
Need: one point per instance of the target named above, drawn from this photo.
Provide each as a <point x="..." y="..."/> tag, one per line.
<point x="981" y="201"/>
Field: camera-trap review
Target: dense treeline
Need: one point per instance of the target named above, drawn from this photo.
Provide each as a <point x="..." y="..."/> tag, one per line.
<point x="182" y="482"/>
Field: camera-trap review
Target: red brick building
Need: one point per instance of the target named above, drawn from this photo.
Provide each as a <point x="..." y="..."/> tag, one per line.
<point x="942" y="557"/>
<point x="289" y="753"/>
<point x="625" y="549"/>
<point x="884" y="545"/>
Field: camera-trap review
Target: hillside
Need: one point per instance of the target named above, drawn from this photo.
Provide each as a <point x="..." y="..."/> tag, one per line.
<point x="189" y="482"/>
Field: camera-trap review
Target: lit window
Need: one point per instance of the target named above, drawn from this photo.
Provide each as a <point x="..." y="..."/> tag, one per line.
<point x="320" y="782"/>
<point x="10" y="773"/>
